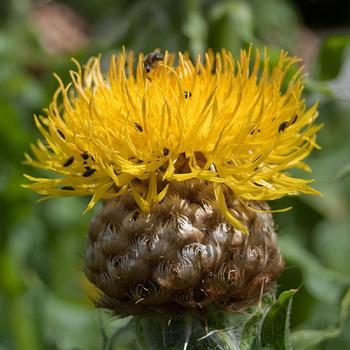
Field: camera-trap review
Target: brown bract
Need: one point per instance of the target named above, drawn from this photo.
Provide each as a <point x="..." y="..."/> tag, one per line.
<point x="183" y="254"/>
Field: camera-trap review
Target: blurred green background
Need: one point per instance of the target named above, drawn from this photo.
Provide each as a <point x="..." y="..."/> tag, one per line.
<point x="44" y="302"/>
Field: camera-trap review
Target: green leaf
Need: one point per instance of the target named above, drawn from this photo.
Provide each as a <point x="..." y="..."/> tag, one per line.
<point x="250" y="330"/>
<point x="331" y="56"/>
<point x="326" y="285"/>
<point x="333" y="236"/>
<point x="183" y="331"/>
<point x="219" y="339"/>
<point x="320" y="87"/>
<point x="275" y="22"/>
<point x="239" y="15"/>
<point x="343" y="172"/>
<point x="25" y="331"/>
<point x="345" y="308"/>
<point x="195" y="27"/>
<point x="157" y="331"/>
<point x="148" y="333"/>
<point x="308" y="338"/>
<point x="275" y="328"/>
<point x="231" y="25"/>
<point x="121" y="337"/>
<point x="67" y="319"/>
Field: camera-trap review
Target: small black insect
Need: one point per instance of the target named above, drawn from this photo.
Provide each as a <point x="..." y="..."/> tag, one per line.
<point x="258" y="157"/>
<point x="253" y="131"/>
<point x="136" y="215"/>
<point x="88" y="172"/>
<point x="61" y="134"/>
<point x="67" y="188"/>
<point x="188" y="94"/>
<point x="294" y="119"/>
<point x="283" y="126"/>
<point x="85" y="155"/>
<point x="69" y="161"/>
<point x="138" y="127"/>
<point x="150" y="59"/>
<point x="165" y="151"/>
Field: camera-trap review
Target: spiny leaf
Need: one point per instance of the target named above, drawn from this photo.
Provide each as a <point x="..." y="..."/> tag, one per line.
<point x="250" y="330"/>
<point x="275" y="328"/>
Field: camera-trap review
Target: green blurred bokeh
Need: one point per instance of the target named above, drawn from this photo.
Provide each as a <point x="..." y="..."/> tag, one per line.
<point x="44" y="301"/>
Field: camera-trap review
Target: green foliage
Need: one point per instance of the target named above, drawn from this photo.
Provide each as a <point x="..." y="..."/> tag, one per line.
<point x="43" y="291"/>
<point x="269" y="330"/>
<point x="304" y="339"/>
<point x="274" y="332"/>
<point x="265" y="327"/>
<point x="332" y="50"/>
<point x="326" y="285"/>
<point x="251" y="330"/>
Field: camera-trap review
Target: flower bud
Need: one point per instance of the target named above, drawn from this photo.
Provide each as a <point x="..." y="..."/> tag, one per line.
<point x="182" y="254"/>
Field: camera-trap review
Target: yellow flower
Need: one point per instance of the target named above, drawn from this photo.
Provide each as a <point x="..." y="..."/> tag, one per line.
<point x="237" y="123"/>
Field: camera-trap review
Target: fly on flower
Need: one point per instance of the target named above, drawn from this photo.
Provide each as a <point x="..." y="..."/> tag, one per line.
<point x="150" y="59"/>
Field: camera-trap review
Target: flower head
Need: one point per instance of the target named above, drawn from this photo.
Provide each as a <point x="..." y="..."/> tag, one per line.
<point x="233" y="123"/>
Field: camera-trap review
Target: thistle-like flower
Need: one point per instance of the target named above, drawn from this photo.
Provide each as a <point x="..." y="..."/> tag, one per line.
<point x="184" y="155"/>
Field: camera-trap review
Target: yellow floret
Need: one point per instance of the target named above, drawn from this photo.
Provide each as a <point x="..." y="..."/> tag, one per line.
<point x="235" y="122"/>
